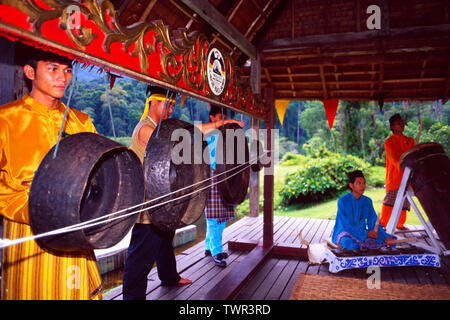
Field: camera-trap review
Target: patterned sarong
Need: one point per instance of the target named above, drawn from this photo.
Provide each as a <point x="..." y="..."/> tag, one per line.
<point x="367" y="244"/>
<point x="390" y="197"/>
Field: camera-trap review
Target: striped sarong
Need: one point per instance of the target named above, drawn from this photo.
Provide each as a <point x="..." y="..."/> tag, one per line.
<point x="31" y="272"/>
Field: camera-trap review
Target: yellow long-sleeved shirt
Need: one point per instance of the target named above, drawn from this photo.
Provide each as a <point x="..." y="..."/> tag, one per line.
<point x="28" y="130"/>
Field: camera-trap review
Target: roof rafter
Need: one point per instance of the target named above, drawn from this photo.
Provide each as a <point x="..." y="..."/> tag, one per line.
<point x="297" y="42"/>
<point x="210" y="14"/>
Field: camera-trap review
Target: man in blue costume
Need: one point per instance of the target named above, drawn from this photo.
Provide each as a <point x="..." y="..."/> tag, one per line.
<point x="356" y="219"/>
<point x="217" y="211"/>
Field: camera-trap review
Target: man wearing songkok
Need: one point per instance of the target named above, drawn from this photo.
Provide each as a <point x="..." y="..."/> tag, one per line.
<point x="356" y="219"/>
<point x="395" y="146"/>
<point x="148" y="242"/>
<point x="29" y="128"/>
<point x="217" y="211"/>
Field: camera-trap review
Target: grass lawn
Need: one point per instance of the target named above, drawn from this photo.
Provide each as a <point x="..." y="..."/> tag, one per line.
<point x="327" y="209"/>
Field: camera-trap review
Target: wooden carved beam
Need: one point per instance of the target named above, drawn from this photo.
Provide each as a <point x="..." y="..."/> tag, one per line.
<point x="147" y="51"/>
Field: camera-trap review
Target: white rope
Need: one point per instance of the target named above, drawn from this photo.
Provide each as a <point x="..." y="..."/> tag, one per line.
<point x="160" y="197"/>
<point x="7" y="242"/>
<point x="87" y="224"/>
<point x="169" y="194"/>
<point x="79" y="226"/>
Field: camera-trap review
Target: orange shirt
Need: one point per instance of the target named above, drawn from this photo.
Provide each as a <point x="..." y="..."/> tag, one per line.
<point x="395" y="145"/>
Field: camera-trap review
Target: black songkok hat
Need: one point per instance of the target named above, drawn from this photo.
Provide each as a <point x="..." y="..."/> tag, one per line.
<point x="154" y="89"/>
<point x="394" y="118"/>
<point x="353" y="175"/>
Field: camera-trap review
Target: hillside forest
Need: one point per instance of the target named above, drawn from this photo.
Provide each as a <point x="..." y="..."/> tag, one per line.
<point x="360" y="128"/>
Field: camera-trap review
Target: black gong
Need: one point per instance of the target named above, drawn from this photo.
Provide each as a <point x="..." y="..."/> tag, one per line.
<point x="91" y="176"/>
<point x="232" y="158"/>
<point x="430" y="181"/>
<point x="173" y="160"/>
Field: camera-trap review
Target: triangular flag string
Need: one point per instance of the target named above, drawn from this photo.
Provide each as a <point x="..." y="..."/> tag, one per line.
<point x="182" y="100"/>
<point x="330" y="106"/>
<point x="281" y="106"/>
<point x="112" y="79"/>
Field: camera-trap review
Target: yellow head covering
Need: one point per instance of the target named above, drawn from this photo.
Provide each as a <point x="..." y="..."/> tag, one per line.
<point x="156" y="96"/>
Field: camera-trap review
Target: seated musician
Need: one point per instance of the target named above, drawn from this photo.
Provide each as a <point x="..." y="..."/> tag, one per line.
<point x="356" y="221"/>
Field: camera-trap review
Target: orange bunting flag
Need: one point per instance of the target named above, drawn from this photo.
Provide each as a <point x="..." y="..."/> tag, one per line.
<point x="281" y="106"/>
<point x="330" y="106"/>
<point x="112" y="79"/>
<point x="183" y="98"/>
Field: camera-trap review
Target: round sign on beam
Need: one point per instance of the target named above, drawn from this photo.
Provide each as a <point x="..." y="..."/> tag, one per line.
<point x="215" y="71"/>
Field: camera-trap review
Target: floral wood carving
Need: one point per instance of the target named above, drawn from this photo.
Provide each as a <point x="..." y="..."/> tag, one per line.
<point x="182" y="57"/>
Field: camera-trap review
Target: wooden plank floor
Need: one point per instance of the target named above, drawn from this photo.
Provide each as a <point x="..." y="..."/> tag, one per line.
<point x="277" y="276"/>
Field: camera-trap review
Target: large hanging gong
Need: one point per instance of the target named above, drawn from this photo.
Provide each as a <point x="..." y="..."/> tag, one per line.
<point x="232" y="157"/>
<point x="91" y="176"/>
<point x="430" y="181"/>
<point x="173" y="165"/>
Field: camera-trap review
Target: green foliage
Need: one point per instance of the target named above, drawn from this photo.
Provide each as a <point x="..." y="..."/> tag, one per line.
<point x="320" y="178"/>
<point x="437" y="132"/>
<point x="126" y="141"/>
<point x="316" y="148"/>
<point x="293" y="159"/>
<point x="441" y="134"/>
<point x="286" y="146"/>
<point x="127" y="101"/>
<point x="360" y="128"/>
<point x="376" y="176"/>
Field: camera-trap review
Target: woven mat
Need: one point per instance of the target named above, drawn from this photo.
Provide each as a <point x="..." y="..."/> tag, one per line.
<point x="322" y="287"/>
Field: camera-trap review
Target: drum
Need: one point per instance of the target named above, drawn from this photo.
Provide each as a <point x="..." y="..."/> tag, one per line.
<point x="91" y="176"/>
<point x="430" y="181"/>
<point x="173" y="170"/>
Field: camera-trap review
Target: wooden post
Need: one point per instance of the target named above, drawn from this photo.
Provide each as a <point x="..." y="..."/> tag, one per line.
<point x="20" y="85"/>
<point x="6" y="71"/>
<point x="6" y="88"/>
<point x="255" y="75"/>
<point x="268" y="172"/>
<point x="254" y="178"/>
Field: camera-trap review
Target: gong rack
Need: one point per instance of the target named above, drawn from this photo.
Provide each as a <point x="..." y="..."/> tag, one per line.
<point x="403" y="256"/>
<point x="407" y="193"/>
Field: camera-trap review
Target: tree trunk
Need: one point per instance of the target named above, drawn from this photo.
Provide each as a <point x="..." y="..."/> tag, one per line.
<point x="298" y="121"/>
<point x="342" y="125"/>
<point x="374" y="118"/>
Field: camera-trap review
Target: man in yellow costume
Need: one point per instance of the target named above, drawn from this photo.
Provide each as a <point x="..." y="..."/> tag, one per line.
<point x="28" y="130"/>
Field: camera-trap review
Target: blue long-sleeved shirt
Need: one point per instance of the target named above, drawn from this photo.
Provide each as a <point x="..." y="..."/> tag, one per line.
<point x="356" y="217"/>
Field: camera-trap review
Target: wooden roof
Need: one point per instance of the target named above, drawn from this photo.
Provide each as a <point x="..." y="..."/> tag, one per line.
<point x="322" y="49"/>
